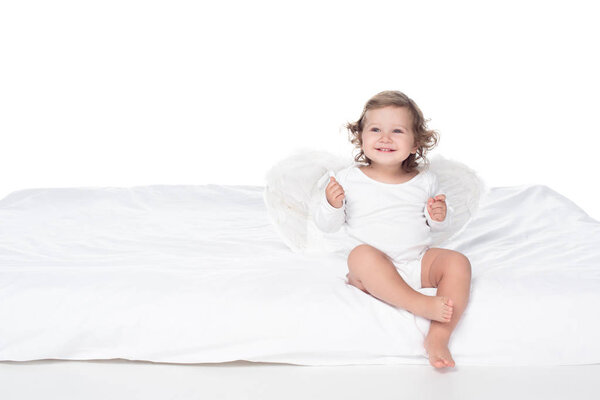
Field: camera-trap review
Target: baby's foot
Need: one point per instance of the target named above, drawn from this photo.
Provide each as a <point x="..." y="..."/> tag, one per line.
<point x="439" y="355"/>
<point x="436" y="308"/>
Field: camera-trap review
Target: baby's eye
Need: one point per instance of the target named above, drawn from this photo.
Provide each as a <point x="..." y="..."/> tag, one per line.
<point x="375" y="129"/>
<point x="397" y="131"/>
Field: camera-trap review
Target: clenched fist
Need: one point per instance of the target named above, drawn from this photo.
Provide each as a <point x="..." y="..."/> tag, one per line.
<point x="335" y="193"/>
<point x="437" y="207"/>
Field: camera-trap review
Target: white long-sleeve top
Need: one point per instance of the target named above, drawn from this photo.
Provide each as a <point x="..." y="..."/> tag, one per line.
<point x="391" y="217"/>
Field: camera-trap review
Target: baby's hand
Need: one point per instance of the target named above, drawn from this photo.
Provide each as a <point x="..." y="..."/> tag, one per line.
<point x="437" y="207"/>
<point x="335" y="193"/>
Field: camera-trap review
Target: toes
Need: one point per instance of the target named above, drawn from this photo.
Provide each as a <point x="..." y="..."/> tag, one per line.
<point x="439" y="362"/>
<point x="448" y="304"/>
<point x="447" y="358"/>
<point x="448" y="310"/>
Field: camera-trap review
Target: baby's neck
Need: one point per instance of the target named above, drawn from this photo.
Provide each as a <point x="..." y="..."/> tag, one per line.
<point x="387" y="175"/>
<point x="384" y="171"/>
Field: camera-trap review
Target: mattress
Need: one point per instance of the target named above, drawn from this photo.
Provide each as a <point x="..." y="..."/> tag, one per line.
<point x="198" y="274"/>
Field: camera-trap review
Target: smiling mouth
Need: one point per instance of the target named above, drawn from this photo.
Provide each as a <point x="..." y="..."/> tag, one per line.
<point x="385" y="150"/>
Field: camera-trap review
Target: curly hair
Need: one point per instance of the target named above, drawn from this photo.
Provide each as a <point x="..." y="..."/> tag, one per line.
<point x="425" y="139"/>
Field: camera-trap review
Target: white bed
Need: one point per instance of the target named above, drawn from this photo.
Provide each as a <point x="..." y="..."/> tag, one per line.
<point x="198" y="274"/>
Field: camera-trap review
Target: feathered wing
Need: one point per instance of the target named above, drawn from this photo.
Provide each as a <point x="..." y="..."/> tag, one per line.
<point x="294" y="187"/>
<point x="296" y="184"/>
<point x="464" y="190"/>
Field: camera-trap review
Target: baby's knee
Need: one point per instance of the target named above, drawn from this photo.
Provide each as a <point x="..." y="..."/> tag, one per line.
<point x="462" y="263"/>
<point x="360" y="251"/>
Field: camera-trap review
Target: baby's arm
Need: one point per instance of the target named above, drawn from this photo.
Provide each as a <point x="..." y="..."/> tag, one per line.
<point x="329" y="218"/>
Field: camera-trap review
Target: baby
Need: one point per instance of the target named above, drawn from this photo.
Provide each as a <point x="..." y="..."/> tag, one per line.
<point x="389" y="208"/>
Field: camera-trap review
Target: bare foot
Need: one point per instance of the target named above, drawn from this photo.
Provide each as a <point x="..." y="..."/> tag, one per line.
<point x="436" y="308"/>
<point x="437" y="350"/>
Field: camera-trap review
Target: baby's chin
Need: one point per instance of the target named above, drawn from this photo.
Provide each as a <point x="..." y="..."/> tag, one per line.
<point x="386" y="157"/>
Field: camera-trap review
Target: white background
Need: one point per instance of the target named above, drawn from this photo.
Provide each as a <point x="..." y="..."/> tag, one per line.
<point x="128" y="93"/>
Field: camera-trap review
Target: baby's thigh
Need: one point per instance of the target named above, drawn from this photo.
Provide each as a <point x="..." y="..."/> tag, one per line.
<point x="364" y="259"/>
<point x="363" y="255"/>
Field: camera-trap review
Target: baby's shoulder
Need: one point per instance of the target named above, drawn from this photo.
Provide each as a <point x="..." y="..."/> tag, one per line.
<point x="429" y="182"/>
<point x="426" y="173"/>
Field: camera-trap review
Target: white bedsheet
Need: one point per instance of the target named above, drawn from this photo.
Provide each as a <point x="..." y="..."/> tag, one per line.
<point x="197" y="274"/>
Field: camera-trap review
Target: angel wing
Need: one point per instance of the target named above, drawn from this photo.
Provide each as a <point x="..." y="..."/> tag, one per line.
<point x="464" y="190"/>
<point x="294" y="188"/>
<point x="296" y="184"/>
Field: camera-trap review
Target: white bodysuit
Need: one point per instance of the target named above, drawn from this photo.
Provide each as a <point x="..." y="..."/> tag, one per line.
<point x="391" y="217"/>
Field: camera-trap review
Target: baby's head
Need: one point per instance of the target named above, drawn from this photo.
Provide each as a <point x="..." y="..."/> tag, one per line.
<point x="424" y="139"/>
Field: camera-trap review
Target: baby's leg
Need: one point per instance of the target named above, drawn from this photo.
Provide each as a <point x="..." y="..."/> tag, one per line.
<point x="450" y="272"/>
<point x="372" y="271"/>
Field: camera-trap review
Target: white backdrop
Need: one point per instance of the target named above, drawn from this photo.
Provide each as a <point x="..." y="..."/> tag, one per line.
<point x="128" y="93"/>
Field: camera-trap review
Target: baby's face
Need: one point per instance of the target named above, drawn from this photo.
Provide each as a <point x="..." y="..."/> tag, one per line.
<point x="388" y="128"/>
